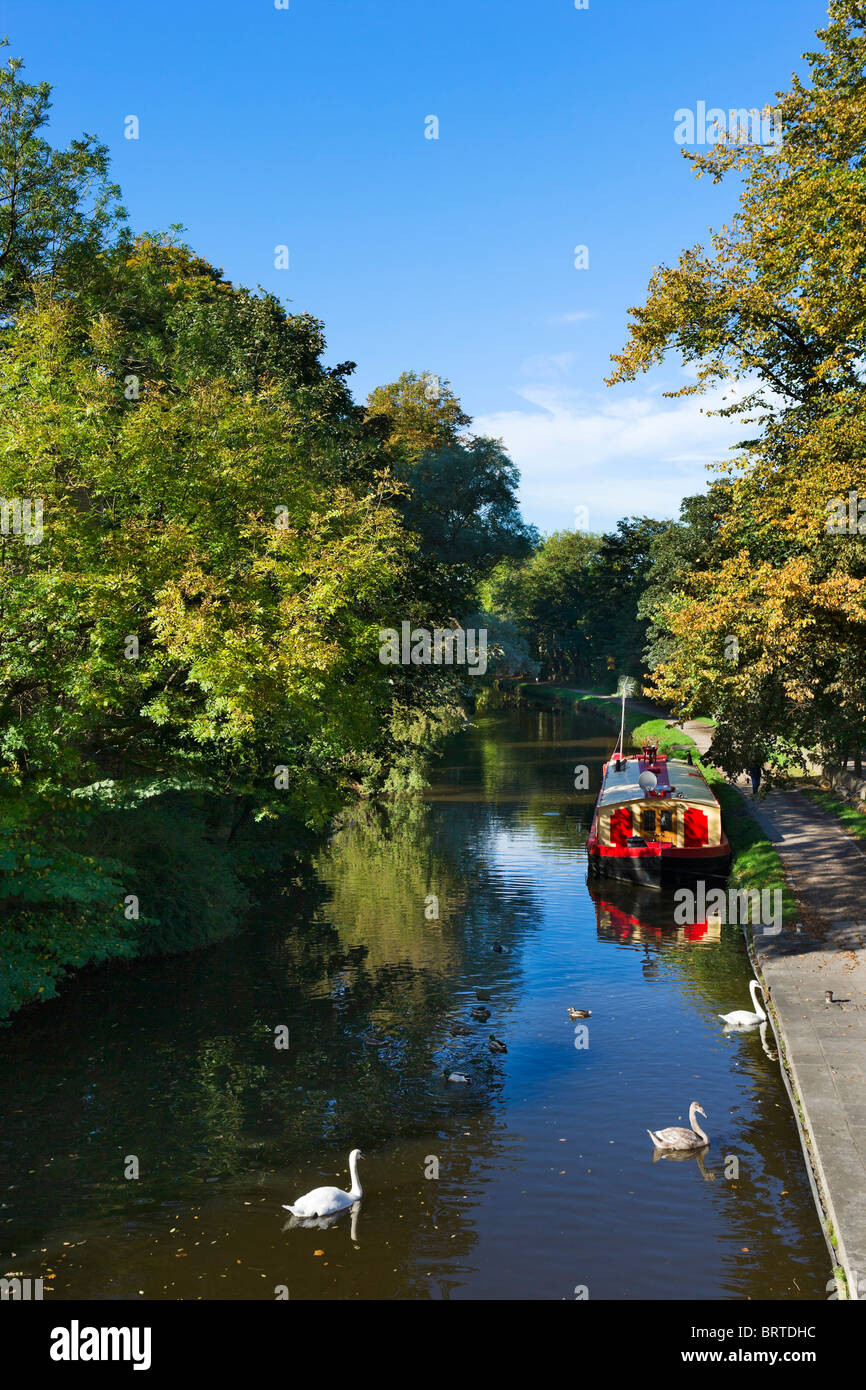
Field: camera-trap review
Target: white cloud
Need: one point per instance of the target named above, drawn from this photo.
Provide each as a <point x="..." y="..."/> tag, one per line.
<point x="579" y="316"/>
<point x="618" y="455"/>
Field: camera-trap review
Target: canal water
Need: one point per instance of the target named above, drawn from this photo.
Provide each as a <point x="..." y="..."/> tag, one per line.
<point x="534" y="1180"/>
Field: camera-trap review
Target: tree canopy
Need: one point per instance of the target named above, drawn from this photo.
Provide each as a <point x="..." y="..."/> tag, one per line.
<point x="771" y="634"/>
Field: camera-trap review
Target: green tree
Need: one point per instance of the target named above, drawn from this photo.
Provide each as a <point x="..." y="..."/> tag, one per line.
<point x="203" y="524"/>
<point x="57" y="207"/>
<point x="616" y="629"/>
<point x="546" y="597"/>
<point x="779" y="303"/>
<point x="459" y="493"/>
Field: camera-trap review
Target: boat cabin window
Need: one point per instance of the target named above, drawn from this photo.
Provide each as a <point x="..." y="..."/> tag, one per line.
<point x="667" y="820"/>
<point x="648" y="823"/>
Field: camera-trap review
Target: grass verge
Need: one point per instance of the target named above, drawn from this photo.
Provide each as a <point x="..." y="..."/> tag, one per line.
<point x="847" y="815"/>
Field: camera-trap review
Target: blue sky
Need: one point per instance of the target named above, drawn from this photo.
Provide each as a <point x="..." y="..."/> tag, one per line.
<point x="306" y="128"/>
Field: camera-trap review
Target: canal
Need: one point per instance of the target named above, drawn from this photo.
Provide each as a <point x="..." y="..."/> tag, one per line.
<point x="534" y="1180"/>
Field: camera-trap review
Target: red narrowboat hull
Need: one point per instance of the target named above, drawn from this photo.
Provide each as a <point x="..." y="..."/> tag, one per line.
<point x="659" y="865"/>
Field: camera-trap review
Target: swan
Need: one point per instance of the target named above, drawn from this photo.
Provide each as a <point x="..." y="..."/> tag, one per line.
<point x="496" y="1045"/>
<point x="575" y="1014"/>
<point x="741" y="1018"/>
<point x="325" y="1201"/>
<point x="676" y="1137"/>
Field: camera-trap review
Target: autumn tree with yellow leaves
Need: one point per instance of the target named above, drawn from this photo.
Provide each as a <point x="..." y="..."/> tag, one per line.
<point x="771" y="635"/>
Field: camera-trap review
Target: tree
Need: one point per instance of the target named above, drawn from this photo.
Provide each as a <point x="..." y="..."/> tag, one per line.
<point x="459" y="493"/>
<point x="57" y="207"/>
<point x="545" y="596"/>
<point x="682" y="548"/>
<point x="616" y="630"/>
<point x="422" y="413"/>
<point x="779" y="302"/>
<point x="204" y="525"/>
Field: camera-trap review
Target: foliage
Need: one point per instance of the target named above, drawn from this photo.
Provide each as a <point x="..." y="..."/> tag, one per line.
<point x="543" y="596"/>
<point x="60" y="905"/>
<point x="420" y="414"/>
<point x="57" y="207"/>
<point x="576" y="600"/>
<point x="779" y="303"/>
<point x="198" y="523"/>
<point x="458" y="494"/>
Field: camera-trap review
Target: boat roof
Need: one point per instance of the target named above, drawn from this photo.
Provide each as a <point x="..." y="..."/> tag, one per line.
<point x="670" y="772"/>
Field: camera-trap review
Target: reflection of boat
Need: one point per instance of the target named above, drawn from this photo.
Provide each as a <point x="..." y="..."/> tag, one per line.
<point x="656" y="821"/>
<point x="625" y="914"/>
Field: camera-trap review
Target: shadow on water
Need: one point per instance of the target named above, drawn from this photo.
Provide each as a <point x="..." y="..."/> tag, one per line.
<point x="546" y="1177"/>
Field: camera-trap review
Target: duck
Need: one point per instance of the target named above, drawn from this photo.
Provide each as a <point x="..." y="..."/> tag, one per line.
<point x="676" y="1137"/>
<point x="575" y="1014"/>
<point x="500" y="949"/>
<point x="482" y="994"/>
<point x="374" y="1039"/>
<point x="496" y="1044"/>
<point x="741" y="1018"/>
<point x="481" y="1014"/>
<point x="325" y="1201"/>
<point x="458" y="1078"/>
<point x="460" y="1030"/>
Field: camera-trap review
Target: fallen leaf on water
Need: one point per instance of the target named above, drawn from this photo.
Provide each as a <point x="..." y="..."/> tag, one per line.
<point x="318" y="1252"/>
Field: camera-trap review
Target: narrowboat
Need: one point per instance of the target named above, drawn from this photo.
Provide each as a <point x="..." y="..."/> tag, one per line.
<point x="657" y="822"/>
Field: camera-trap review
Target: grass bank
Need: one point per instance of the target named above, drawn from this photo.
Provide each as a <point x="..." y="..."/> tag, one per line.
<point x="84" y="882"/>
<point x="847" y="815"/>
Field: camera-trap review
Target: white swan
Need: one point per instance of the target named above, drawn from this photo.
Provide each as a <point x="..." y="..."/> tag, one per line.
<point x="675" y="1137"/>
<point x="741" y="1018"/>
<point x="325" y="1201"/>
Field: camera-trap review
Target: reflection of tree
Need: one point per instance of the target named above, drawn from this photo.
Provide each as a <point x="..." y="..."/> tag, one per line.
<point x="535" y="770"/>
<point x="379" y="870"/>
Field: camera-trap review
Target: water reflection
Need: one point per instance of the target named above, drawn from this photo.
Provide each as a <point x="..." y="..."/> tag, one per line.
<point x="645" y="916"/>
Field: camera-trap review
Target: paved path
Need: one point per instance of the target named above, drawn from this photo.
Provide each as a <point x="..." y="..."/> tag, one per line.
<point x="825" y="1044"/>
